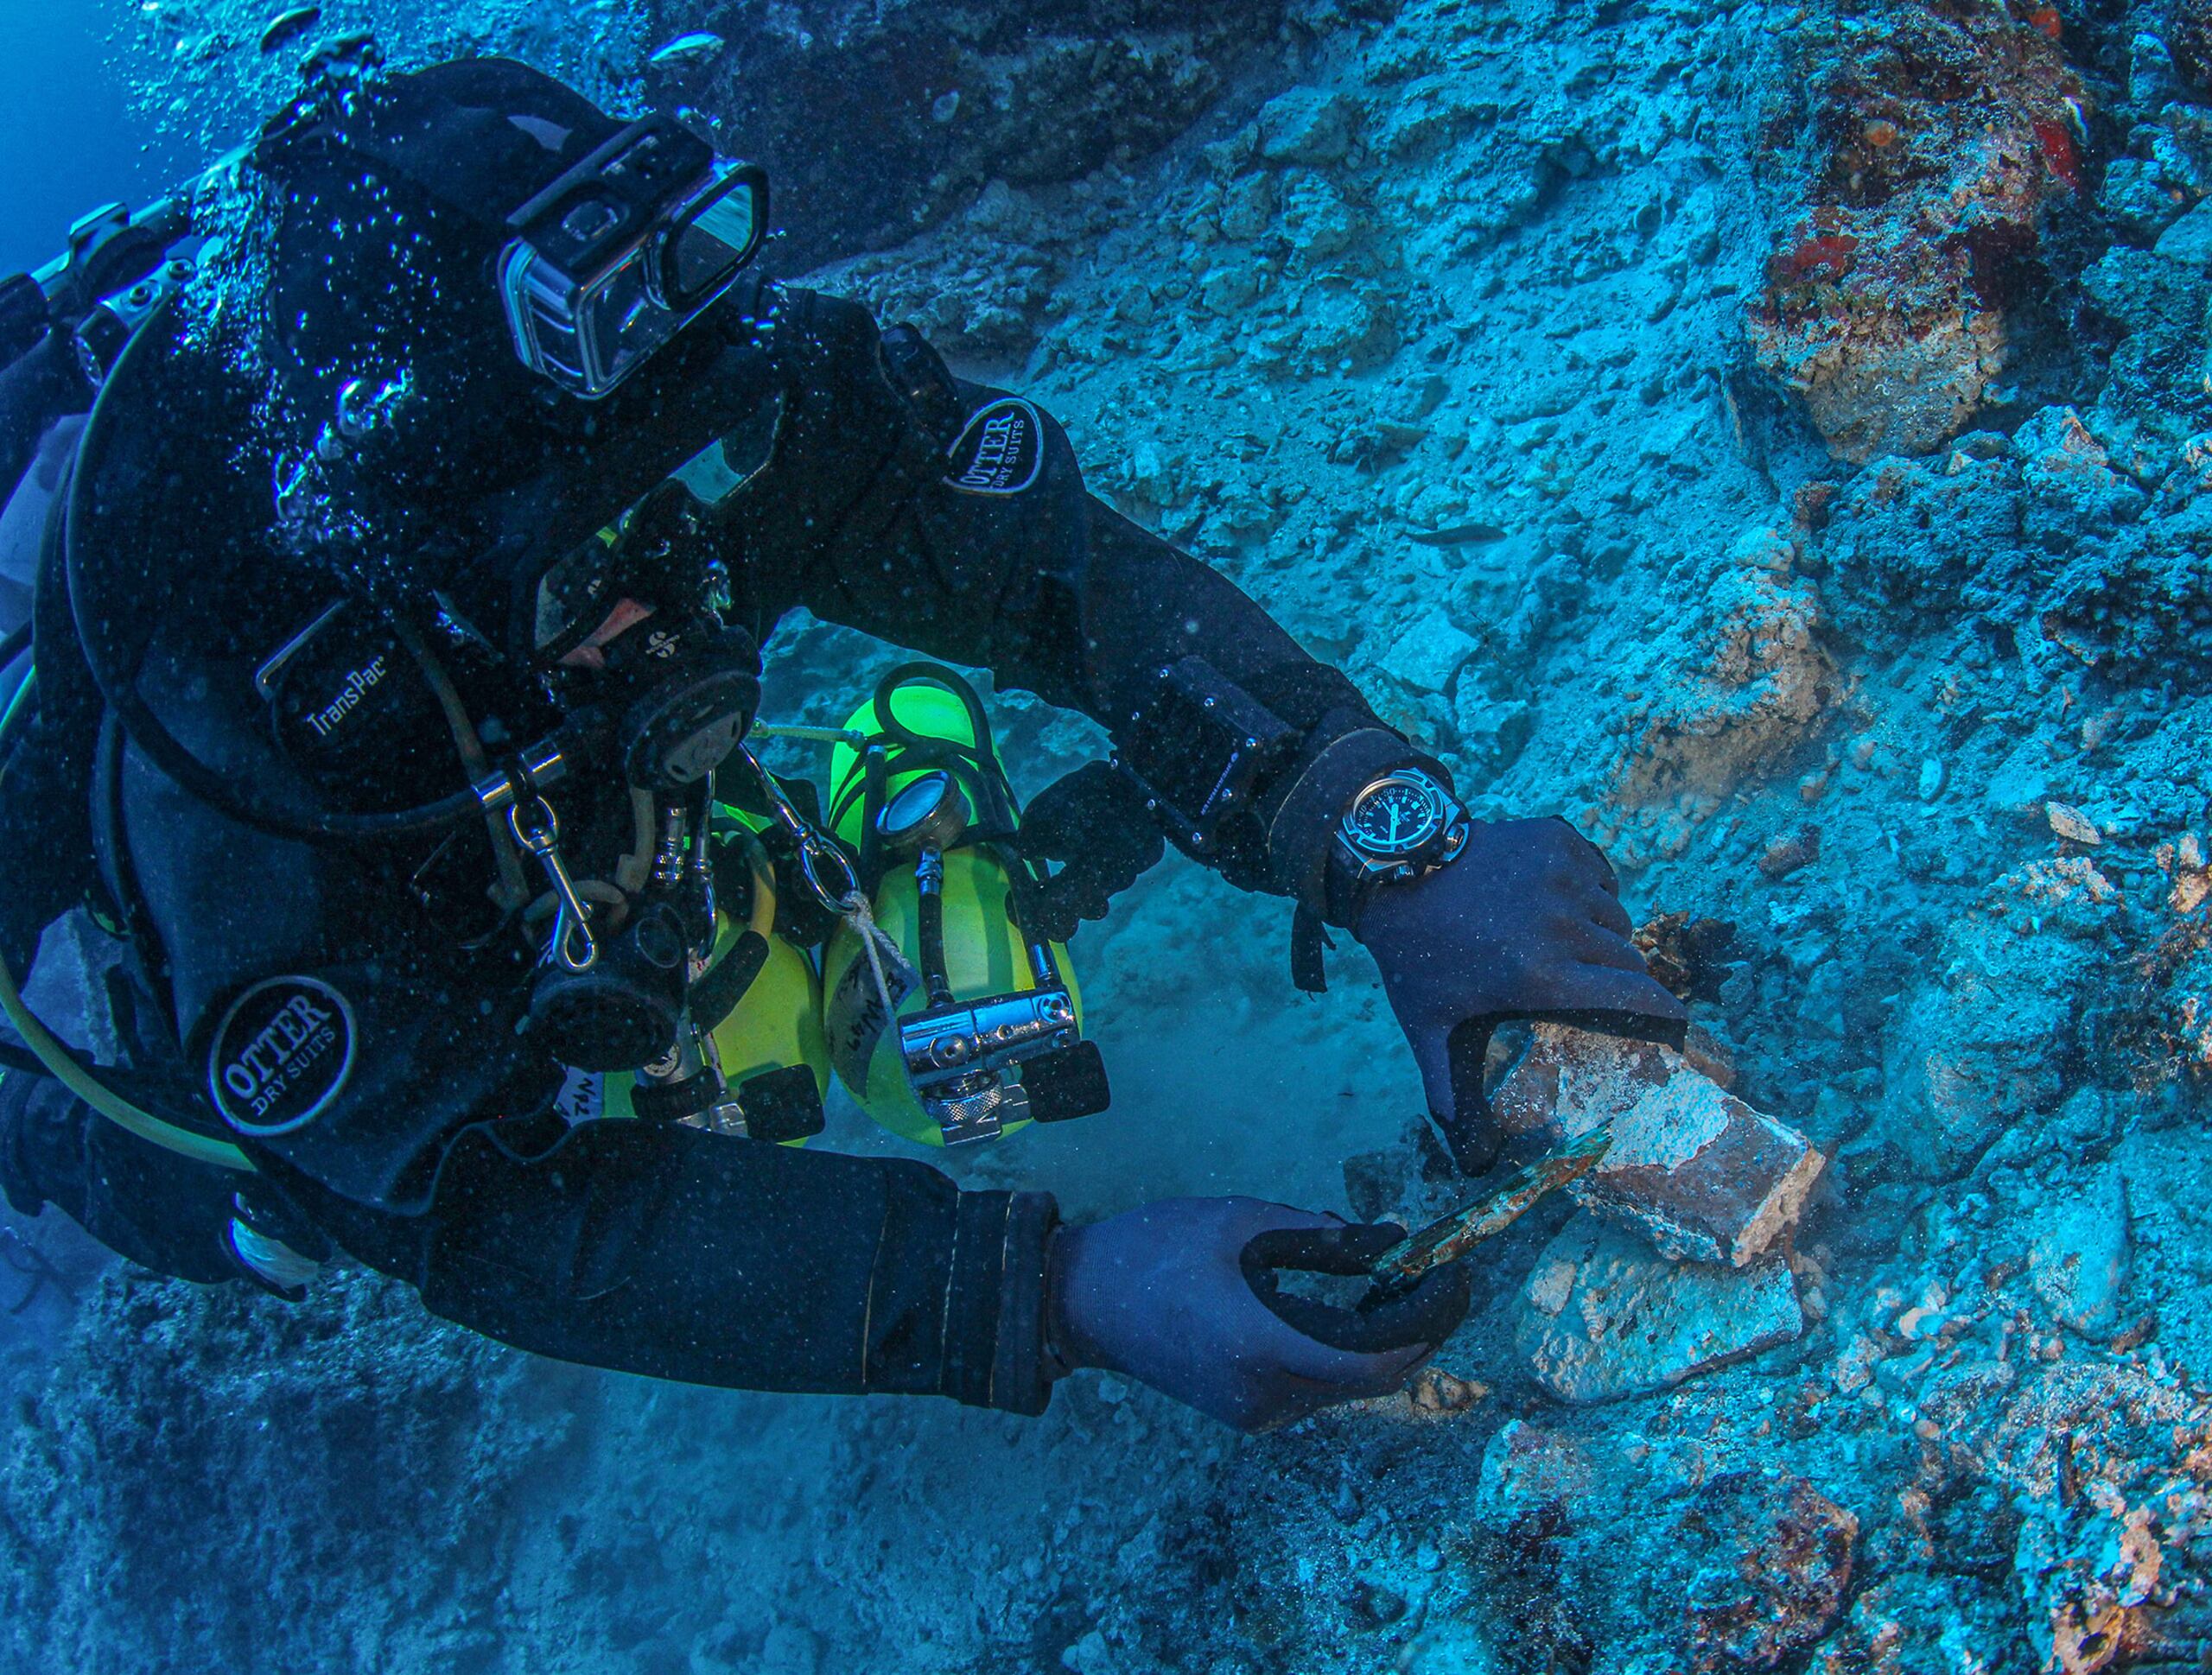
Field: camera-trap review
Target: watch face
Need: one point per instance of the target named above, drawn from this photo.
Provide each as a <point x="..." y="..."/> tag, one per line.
<point x="1394" y="818"/>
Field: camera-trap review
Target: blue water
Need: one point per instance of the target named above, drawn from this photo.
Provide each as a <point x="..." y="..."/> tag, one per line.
<point x="71" y="142"/>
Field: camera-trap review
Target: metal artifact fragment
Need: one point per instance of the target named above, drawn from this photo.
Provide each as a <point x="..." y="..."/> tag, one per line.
<point x="1461" y="1231"/>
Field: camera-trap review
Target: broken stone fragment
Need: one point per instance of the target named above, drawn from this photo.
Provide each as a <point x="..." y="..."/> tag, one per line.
<point x="2078" y="1261"/>
<point x="1436" y="1393"/>
<point x="1791" y="851"/>
<point x="2070" y="823"/>
<point x="1525" y="1470"/>
<point x="1602" y="1316"/>
<point x="1700" y="1173"/>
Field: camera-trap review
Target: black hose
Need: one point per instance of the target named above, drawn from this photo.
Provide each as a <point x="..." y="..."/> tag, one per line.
<point x="929" y="926"/>
<point x="986" y="776"/>
<point x="119" y="686"/>
<point x="975" y="767"/>
<point x="716" y="995"/>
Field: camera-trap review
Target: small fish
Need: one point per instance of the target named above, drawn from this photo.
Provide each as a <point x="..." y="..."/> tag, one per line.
<point x="1461" y="1232"/>
<point x="695" y="47"/>
<point x="1460" y="535"/>
<point x="290" y="26"/>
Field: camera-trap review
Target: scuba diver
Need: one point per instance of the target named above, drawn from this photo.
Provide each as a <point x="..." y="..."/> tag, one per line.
<point x="400" y="515"/>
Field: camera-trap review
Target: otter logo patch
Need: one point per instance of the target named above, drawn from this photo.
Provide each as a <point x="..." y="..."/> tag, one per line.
<point x="1000" y="452"/>
<point x="281" y="1055"/>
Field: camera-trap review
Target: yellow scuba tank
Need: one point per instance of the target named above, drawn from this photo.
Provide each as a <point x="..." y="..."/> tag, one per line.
<point x="758" y="1002"/>
<point x="989" y="1023"/>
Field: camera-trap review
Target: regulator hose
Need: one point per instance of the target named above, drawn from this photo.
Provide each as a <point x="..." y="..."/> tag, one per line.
<point x="116" y="677"/>
<point x="57" y="1060"/>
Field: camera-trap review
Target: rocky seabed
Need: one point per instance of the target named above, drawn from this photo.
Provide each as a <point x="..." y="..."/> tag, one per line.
<point x="1778" y="437"/>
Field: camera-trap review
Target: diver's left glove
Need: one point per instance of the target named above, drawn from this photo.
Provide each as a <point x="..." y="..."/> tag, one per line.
<point x="1526" y="921"/>
<point x="1183" y="1295"/>
<point x="1095" y="823"/>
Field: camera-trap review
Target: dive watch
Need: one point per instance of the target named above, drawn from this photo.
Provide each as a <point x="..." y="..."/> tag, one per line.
<point x="1401" y="825"/>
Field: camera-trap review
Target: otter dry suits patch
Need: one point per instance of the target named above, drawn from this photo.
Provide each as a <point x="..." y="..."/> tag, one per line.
<point x="281" y="1055"/>
<point x="1000" y="452"/>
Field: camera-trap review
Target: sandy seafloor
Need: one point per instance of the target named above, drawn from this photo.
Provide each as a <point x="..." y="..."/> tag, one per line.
<point x="1771" y="435"/>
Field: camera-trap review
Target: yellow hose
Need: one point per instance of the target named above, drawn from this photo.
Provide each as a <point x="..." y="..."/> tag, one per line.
<point x="64" y="1069"/>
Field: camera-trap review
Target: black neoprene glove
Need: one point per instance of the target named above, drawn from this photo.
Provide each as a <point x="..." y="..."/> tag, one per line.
<point x="1095" y="823"/>
<point x="1182" y="1295"/>
<point x="1526" y="922"/>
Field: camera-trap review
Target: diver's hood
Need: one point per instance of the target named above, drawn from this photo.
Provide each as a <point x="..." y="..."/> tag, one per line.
<point x="390" y="214"/>
<point x="178" y="482"/>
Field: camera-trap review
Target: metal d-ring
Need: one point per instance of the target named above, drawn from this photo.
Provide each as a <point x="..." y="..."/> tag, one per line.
<point x="811" y="848"/>
<point x="811" y="842"/>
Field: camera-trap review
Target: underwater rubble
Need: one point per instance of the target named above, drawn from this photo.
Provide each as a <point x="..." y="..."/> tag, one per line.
<point x="1774" y="436"/>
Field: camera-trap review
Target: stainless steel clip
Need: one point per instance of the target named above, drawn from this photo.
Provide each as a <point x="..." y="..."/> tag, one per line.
<point x="816" y="849"/>
<point x="573" y="945"/>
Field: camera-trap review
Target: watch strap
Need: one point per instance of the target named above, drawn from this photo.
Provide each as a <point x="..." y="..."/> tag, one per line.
<point x="1346" y="883"/>
<point x="1309" y="940"/>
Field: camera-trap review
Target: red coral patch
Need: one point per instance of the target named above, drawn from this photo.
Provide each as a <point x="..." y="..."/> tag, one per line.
<point x="2058" y="146"/>
<point x="1823" y="256"/>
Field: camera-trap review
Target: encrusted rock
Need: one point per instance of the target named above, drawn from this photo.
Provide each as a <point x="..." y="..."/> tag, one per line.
<point x="1935" y="138"/>
<point x="2073" y="486"/>
<point x="2078" y="1261"/>
<point x="1311" y="126"/>
<point x="2189" y="240"/>
<point x="1605" y="1317"/>
<point x="1790" y="851"/>
<point x="1526" y="1470"/>
<point x="1689" y="955"/>
<point x="2185" y="863"/>
<point x="1426" y="653"/>
<point x="1700" y="1173"/>
<point x="1493" y="732"/>
<point x="1894" y="1626"/>
<point x="1777" y="1574"/>
<point x="1749" y="675"/>
<point x="1982" y="1041"/>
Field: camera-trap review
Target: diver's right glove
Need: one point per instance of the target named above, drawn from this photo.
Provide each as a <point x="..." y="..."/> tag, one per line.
<point x="1525" y="922"/>
<point x="1182" y="1295"/>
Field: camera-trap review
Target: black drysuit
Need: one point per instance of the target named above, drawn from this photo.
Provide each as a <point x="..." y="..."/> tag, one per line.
<point x="863" y="493"/>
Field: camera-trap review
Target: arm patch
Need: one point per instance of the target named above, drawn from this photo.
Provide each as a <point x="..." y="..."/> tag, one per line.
<point x="281" y="1055"/>
<point x="1001" y="452"/>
